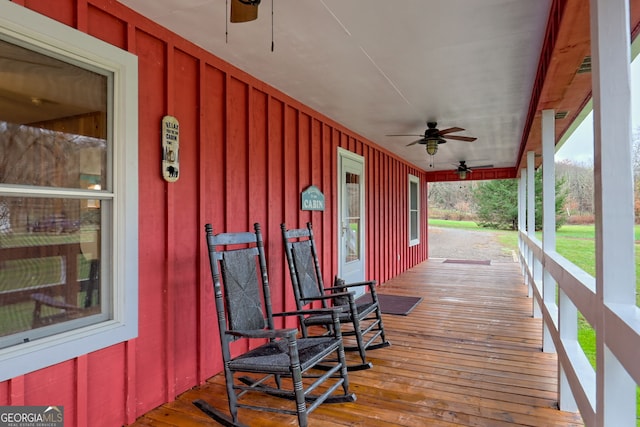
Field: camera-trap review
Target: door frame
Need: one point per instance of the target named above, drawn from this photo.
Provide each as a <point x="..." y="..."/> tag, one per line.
<point x="345" y="154"/>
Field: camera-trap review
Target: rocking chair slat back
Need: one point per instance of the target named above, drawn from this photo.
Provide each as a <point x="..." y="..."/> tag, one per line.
<point x="241" y="289"/>
<point x="307" y="281"/>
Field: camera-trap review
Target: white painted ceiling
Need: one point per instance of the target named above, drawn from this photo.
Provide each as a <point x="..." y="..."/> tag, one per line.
<point x="384" y="67"/>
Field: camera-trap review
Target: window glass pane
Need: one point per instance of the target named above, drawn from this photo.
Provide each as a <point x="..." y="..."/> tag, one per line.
<point x="53" y="121"/>
<point x="41" y="157"/>
<point x="50" y="256"/>
<point x="53" y="134"/>
<point x="414" y="210"/>
<point x="414" y="195"/>
<point x="414" y="225"/>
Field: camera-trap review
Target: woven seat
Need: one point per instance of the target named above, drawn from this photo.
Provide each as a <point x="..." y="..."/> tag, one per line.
<point x="287" y="366"/>
<point x="362" y="321"/>
<point x="275" y="355"/>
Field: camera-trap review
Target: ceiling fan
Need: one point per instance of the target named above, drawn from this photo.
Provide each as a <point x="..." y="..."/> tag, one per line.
<point x="432" y="133"/>
<point x="433" y="137"/>
<point x="462" y="169"/>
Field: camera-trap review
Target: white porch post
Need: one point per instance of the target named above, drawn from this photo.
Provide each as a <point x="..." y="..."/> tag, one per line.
<point x="531" y="228"/>
<point x="615" y="263"/>
<point x="567" y="314"/>
<point x="549" y="220"/>
<point x="522" y="215"/>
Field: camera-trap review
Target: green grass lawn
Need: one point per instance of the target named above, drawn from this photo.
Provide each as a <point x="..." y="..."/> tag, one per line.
<point x="577" y="244"/>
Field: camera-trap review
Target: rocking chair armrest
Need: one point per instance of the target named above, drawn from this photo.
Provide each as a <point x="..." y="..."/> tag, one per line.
<point x="330" y="296"/>
<point x="265" y="333"/>
<point x="370" y="283"/>
<point x="331" y="311"/>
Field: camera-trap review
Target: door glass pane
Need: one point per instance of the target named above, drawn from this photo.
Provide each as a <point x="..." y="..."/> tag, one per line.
<point x="352" y="217"/>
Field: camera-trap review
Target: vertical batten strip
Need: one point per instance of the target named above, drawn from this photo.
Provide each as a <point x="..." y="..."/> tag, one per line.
<point x="247" y="154"/>
<point x="130" y="397"/>
<point x="202" y="265"/>
<point x="170" y="320"/>
<point x="16" y="391"/>
<point x="327" y="226"/>
<point x="130" y="381"/>
<point x="82" y="18"/>
<point x="82" y="390"/>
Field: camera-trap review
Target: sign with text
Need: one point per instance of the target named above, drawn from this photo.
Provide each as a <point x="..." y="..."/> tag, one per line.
<point x="31" y="416"/>
<point x="170" y="148"/>
<point x="312" y="199"/>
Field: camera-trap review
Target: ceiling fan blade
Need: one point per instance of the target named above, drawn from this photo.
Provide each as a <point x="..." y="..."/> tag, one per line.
<point x="449" y="130"/>
<point x="459" y="138"/>
<point x="415" y="142"/>
<point x="483" y="167"/>
<point x="241" y="12"/>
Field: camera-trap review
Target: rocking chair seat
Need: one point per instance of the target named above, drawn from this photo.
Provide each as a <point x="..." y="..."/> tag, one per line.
<point x="273" y="357"/>
<point x="345" y="316"/>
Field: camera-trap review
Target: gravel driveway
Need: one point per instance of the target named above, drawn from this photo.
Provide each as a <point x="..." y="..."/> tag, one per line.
<point x="453" y="243"/>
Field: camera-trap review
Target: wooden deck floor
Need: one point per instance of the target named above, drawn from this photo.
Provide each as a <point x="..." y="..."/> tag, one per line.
<point x="468" y="354"/>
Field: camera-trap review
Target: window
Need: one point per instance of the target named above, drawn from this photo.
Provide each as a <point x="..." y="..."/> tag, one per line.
<point x="68" y="193"/>
<point x="414" y="210"/>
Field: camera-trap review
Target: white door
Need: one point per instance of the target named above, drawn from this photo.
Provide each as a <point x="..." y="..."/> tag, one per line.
<point x="351" y="237"/>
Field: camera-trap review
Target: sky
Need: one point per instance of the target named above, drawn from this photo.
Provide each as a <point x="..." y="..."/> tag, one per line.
<point x="579" y="146"/>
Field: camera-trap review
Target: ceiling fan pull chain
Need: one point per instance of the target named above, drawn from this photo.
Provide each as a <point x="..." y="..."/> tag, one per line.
<point x="226" y="21"/>
<point x="272" y="43"/>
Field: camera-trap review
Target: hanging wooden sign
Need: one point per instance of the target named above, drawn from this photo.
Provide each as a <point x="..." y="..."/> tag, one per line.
<point x="170" y="148"/>
<point x="312" y="199"/>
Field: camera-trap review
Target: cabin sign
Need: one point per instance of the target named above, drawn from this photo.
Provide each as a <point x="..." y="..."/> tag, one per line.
<point x="312" y="199"/>
<point x="170" y="148"/>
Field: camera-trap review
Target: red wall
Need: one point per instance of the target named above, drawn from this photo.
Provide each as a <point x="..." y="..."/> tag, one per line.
<point x="246" y="153"/>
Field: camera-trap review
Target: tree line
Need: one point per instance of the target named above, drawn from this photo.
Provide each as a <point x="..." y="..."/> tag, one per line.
<point x="494" y="203"/>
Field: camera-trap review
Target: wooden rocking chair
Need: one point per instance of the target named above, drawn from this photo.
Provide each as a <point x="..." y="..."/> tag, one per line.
<point x="363" y="320"/>
<point x="283" y="364"/>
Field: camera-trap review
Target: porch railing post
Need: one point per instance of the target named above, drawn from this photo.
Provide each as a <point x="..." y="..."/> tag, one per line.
<point x="522" y="228"/>
<point x="549" y="284"/>
<point x="615" y="259"/>
<point x="534" y="265"/>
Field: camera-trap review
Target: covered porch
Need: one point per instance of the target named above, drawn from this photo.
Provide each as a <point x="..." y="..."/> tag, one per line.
<point x="470" y="353"/>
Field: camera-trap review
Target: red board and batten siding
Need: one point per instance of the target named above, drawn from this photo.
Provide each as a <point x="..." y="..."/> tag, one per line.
<point x="246" y="153"/>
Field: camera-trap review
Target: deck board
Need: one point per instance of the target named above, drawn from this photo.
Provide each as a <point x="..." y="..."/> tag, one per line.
<point x="469" y="354"/>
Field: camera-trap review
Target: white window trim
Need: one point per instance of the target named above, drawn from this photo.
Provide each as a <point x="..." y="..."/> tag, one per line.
<point x="22" y="24"/>
<point x="413" y="180"/>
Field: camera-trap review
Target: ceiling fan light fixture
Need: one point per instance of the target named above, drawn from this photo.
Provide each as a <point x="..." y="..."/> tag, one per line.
<point x="432" y="146"/>
<point x="462" y="174"/>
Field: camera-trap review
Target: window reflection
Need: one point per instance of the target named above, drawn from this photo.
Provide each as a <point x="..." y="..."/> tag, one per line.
<point x="53" y="137"/>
